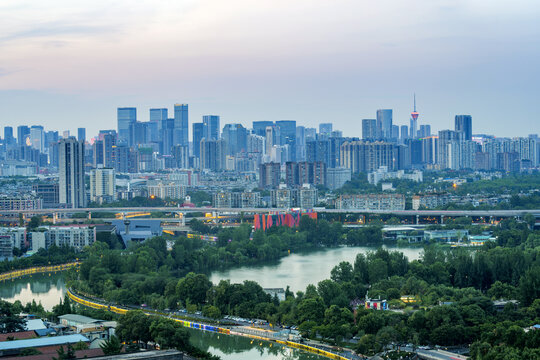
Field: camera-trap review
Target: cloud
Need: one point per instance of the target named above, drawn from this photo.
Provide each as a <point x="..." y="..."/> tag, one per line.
<point x="56" y="29"/>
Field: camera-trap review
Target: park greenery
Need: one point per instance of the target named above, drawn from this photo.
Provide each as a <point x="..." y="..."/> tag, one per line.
<point x="452" y="289"/>
<point x="53" y="256"/>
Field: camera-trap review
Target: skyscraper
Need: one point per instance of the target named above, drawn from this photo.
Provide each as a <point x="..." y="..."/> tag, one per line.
<point x="181" y="125"/>
<point x="22" y="132"/>
<point x="300" y="143"/>
<point x="235" y="137"/>
<point x="287" y="136"/>
<point x="464" y="123"/>
<point x="404" y="132"/>
<point x="211" y="127"/>
<point x="8" y="135"/>
<point x="159" y="115"/>
<point x="369" y="129"/>
<point x="325" y="129"/>
<point x="81" y="134"/>
<point x="102" y="185"/>
<point x="259" y="127"/>
<point x="384" y="123"/>
<point x="37" y="138"/>
<point x="126" y="117"/>
<point x="198" y="135"/>
<point x="71" y="169"/>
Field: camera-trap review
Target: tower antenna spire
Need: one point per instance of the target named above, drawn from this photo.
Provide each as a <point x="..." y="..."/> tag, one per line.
<point x="414" y="102"/>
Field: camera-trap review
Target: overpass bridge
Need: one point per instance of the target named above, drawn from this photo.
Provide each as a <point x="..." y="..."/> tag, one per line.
<point x="224" y="214"/>
<point x="450" y="213"/>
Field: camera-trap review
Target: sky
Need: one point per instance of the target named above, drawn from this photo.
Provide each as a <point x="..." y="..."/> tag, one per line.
<point x="70" y="63"/>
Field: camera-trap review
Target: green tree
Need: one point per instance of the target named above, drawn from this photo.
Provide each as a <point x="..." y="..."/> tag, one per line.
<point x="63" y="355"/>
<point x="529" y="286"/>
<point x="193" y="288"/>
<point x="9" y="320"/>
<point x="112" y="346"/>
<point x="134" y="326"/>
<point x="211" y="311"/>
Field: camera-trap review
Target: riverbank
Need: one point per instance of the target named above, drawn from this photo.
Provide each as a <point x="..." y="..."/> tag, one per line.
<point x="38" y="270"/>
<point x="272" y="337"/>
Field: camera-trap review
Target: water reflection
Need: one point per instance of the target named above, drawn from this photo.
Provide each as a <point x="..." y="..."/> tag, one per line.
<point x="44" y="288"/>
<point x="302" y="269"/>
<point x="239" y="348"/>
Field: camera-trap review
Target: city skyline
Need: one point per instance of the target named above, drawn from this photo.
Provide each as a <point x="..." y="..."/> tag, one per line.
<point x="272" y="61"/>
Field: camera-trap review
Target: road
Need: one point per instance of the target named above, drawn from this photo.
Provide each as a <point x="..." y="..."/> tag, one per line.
<point x="494" y="213"/>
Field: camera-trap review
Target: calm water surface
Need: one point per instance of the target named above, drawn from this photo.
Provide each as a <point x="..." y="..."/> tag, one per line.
<point x="300" y="270"/>
<point x="44" y="288"/>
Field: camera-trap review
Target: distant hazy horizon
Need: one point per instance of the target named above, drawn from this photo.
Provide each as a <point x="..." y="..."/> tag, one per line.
<point x="66" y="65"/>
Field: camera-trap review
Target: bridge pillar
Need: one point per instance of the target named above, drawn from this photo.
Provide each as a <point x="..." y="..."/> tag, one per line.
<point x="442" y="219"/>
<point x="417" y="219"/>
<point x="182" y="218"/>
<point x="89" y="215"/>
<point x="55" y="218"/>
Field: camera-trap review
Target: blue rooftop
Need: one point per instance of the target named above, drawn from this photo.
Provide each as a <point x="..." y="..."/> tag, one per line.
<point x="44" y="341"/>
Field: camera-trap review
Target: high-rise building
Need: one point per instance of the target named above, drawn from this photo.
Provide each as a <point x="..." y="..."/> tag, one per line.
<point x="464" y="123"/>
<point x="395" y="132"/>
<point x="318" y="151"/>
<point x="311" y="134"/>
<point x="22" y="133"/>
<point x="384" y="123"/>
<point x="269" y="175"/>
<point x="287" y="136"/>
<point x="272" y="138"/>
<point x="448" y="149"/>
<point x="297" y="174"/>
<point x="211" y="127"/>
<point x="404" y="132"/>
<point x="337" y="177"/>
<point x="138" y="133"/>
<point x="369" y="129"/>
<point x="97" y="149"/>
<point x="213" y="153"/>
<point x="425" y="131"/>
<point x="167" y="136"/>
<point x="81" y="134"/>
<point x="37" y="138"/>
<point x="102" y="185"/>
<point x="159" y="115"/>
<point x="259" y="127"/>
<point x="180" y="154"/>
<point x="325" y="129"/>
<point x="8" y="136"/>
<point x="198" y="135"/>
<point x="181" y="125"/>
<point x="126" y="117"/>
<point x="109" y="143"/>
<point x="235" y="137"/>
<point x="158" y="122"/>
<point x="72" y="190"/>
<point x="362" y="156"/>
<point x="300" y="143"/>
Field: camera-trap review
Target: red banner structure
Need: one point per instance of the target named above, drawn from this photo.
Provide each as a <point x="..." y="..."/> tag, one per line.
<point x="265" y="221"/>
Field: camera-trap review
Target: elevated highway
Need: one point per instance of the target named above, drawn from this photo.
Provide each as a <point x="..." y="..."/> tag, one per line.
<point x="451" y="213"/>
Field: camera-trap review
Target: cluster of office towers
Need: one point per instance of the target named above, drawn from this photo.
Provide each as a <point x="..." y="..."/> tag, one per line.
<point x="267" y="149"/>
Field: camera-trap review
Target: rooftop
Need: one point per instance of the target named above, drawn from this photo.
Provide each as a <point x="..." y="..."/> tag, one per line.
<point x="78" y="318"/>
<point x="43" y="341"/>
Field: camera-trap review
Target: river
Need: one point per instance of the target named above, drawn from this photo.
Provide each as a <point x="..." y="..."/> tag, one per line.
<point x="300" y="270"/>
<point x="295" y="270"/>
